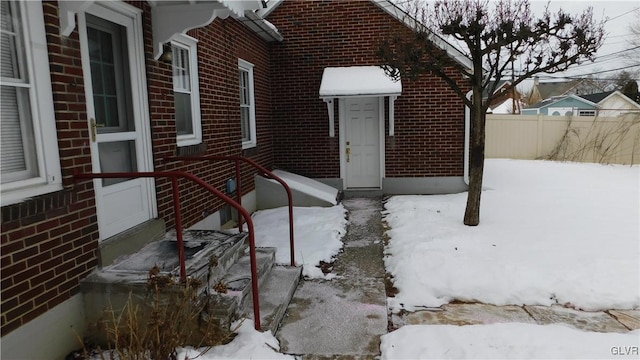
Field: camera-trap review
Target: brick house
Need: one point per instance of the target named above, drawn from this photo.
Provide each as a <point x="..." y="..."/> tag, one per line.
<point x="121" y="86"/>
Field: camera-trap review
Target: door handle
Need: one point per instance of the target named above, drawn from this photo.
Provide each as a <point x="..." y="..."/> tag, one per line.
<point x="94" y="129"/>
<point x="348" y="154"/>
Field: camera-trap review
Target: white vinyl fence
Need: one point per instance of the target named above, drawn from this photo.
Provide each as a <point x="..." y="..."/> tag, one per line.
<point x="614" y="140"/>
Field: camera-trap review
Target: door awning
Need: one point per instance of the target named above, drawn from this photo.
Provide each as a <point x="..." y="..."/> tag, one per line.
<point x="357" y="81"/>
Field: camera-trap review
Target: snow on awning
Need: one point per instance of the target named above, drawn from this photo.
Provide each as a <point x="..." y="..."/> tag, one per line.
<point x="362" y="81"/>
<point x="357" y="81"/>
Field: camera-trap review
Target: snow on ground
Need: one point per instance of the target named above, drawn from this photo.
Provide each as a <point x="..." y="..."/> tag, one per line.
<point x="506" y="341"/>
<point x="318" y="233"/>
<point x="249" y="344"/>
<point x="549" y="233"/>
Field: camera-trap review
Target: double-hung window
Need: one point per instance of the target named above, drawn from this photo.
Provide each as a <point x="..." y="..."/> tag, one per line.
<point x="29" y="164"/>
<point x="186" y="90"/>
<point x="247" y="104"/>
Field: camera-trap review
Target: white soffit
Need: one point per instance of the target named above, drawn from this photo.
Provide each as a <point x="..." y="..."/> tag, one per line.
<point x="178" y="17"/>
<point x="170" y="17"/>
<point x="357" y="81"/>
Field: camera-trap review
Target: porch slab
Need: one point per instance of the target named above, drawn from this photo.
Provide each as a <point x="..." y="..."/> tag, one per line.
<point x="628" y="318"/>
<point x="468" y="314"/>
<point x="597" y="321"/>
<point x="205" y="251"/>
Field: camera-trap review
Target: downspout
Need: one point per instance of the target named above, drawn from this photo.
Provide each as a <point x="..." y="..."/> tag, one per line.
<point x="467" y="138"/>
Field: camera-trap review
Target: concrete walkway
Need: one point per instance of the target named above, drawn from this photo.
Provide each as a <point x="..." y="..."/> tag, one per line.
<point x="344" y="317"/>
<point x="620" y="321"/>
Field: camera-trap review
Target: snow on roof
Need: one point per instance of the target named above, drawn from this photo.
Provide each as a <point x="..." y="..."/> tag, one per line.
<point x="357" y="80"/>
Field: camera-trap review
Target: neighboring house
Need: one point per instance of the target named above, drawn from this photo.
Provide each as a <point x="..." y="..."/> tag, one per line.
<point x="613" y="103"/>
<point x="546" y="90"/>
<point x="562" y="106"/>
<point x="93" y="86"/>
<point x="509" y="102"/>
<point x="610" y="104"/>
<point x="508" y="106"/>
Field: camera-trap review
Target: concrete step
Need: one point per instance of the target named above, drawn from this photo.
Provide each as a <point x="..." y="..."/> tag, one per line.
<point x="275" y="295"/>
<point x="218" y="259"/>
<point x="238" y="278"/>
<point x="223" y="251"/>
<point x="208" y="255"/>
<point x="276" y="285"/>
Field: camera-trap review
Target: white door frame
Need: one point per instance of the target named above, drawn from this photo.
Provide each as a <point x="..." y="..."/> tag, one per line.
<point x="129" y="17"/>
<point x="342" y="113"/>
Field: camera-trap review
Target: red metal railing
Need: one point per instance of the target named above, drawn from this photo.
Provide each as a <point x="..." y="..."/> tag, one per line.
<point x="264" y="172"/>
<point x="174" y="176"/>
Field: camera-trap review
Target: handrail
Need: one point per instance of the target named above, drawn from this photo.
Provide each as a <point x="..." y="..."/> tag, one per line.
<point x="264" y="172"/>
<point x="174" y="175"/>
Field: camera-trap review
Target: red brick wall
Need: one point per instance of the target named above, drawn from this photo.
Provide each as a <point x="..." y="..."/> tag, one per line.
<point x="429" y="118"/>
<point x="219" y="47"/>
<point x="50" y="243"/>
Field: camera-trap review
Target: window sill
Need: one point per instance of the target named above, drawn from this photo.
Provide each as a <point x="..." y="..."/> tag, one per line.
<point x="23" y="194"/>
<point x="252" y="151"/>
<point x="248" y="145"/>
<point x="192" y="150"/>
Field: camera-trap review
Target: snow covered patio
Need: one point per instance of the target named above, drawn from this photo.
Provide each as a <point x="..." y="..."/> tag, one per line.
<point x="553" y="238"/>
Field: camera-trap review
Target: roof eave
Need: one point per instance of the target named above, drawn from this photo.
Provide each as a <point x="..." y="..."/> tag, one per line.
<point x="402" y="16"/>
<point x="260" y="26"/>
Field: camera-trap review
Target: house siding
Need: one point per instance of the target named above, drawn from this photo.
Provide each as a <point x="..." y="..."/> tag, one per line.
<point x="429" y="117"/>
<point x="51" y="242"/>
<point x="568" y="102"/>
<point x="616" y="105"/>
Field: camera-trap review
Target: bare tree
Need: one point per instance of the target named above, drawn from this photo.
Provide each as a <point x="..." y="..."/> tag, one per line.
<point x="494" y="39"/>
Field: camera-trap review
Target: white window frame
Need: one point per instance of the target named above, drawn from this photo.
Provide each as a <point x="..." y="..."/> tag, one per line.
<point x="49" y="175"/>
<point x="190" y="44"/>
<point x="246" y="66"/>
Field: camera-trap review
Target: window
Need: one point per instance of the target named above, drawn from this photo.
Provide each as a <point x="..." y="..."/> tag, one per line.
<point x="586" y="113"/>
<point x="30" y="164"/>
<point x="186" y="90"/>
<point x="247" y="105"/>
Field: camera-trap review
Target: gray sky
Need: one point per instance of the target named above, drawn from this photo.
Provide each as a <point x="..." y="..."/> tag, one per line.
<point x="621" y="15"/>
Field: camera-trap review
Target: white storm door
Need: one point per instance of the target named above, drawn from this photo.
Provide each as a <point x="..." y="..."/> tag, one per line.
<point x="113" y="65"/>
<point x="362" y="143"/>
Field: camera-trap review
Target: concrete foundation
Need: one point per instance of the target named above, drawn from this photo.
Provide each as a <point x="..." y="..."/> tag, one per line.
<point x="51" y="335"/>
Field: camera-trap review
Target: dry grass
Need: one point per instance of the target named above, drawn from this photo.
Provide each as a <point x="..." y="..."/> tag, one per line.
<point x="173" y="314"/>
<point x="601" y="142"/>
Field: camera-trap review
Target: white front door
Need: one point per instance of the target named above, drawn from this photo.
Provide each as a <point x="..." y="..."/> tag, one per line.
<point x="362" y="143"/>
<point x="115" y="87"/>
